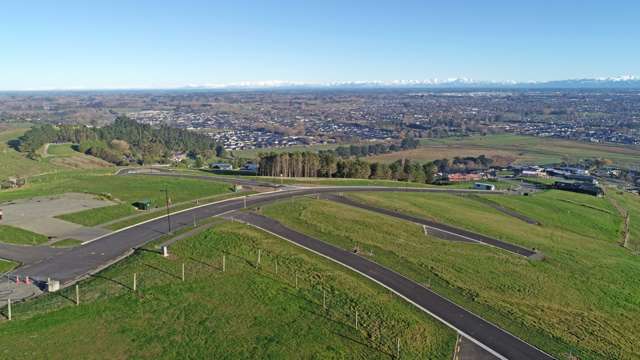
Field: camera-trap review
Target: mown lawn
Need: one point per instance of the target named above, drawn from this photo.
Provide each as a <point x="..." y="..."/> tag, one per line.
<point x="580" y="300"/>
<point x="14" y="235"/>
<point x="244" y="313"/>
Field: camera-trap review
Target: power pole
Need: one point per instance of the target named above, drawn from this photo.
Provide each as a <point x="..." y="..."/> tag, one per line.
<point x="166" y="197"/>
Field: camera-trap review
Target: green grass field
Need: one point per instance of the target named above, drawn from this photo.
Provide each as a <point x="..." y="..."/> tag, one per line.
<point x="15" y="163"/>
<point x="61" y="150"/>
<point x="244" y="313"/>
<point x="580" y="300"/>
<point x="97" y="216"/>
<point x="14" y="235"/>
<point x="630" y="203"/>
<point x="505" y="149"/>
<point x="6" y="266"/>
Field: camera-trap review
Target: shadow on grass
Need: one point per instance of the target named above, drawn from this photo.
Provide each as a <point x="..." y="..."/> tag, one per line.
<point x="162" y="271"/>
<point x="113" y="281"/>
<point x="350" y="337"/>
<point x="205" y="263"/>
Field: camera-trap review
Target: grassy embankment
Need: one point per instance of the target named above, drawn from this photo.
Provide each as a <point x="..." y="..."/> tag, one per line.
<point x="58" y="157"/>
<point x="14" y="163"/>
<point x="582" y="299"/>
<point x="505" y="149"/>
<point x="630" y="203"/>
<point x="14" y="235"/>
<point x="6" y="266"/>
<point x="241" y="313"/>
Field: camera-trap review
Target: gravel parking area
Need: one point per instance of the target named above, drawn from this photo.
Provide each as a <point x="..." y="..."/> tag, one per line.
<point x="38" y="215"/>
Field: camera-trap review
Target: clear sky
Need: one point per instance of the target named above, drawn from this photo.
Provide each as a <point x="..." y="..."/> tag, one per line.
<point x="111" y="43"/>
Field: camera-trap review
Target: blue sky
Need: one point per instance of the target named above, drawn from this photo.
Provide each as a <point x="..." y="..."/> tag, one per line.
<point x="111" y="44"/>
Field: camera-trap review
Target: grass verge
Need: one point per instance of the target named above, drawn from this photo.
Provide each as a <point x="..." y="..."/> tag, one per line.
<point x="14" y="235"/>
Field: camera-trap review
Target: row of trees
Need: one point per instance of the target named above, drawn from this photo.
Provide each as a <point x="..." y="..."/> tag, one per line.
<point x="123" y="141"/>
<point x="327" y="164"/>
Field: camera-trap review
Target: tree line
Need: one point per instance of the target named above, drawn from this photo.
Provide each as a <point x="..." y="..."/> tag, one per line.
<point x="329" y="164"/>
<point x="123" y="141"/>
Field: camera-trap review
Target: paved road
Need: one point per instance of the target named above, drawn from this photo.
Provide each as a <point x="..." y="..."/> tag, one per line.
<point x="440" y="230"/>
<point x="70" y="265"/>
<point x="84" y="260"/>
<point x="490" y="337"/>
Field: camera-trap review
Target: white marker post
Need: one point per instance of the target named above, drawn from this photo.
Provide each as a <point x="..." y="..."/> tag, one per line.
<point x="245" y="201"/>
<point x="9" y="309"/>
<point x="259" y="253"/>
<point x="165" y="251"/>
<point x="424" y="228"/>
<point x="135" y="282"/>
<point x="182" y="271"/>
<point x="224" y="263"/>
<point x="398" y="349"/>
<point x="276" y="266"/>
<point x="77" y="295"/>
<point x="296" y="279"/>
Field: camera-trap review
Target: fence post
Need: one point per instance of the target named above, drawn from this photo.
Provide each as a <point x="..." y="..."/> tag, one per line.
<point x="356" y="319"/>
<point x="324" y="299"/>
<point x="77" y="294"/>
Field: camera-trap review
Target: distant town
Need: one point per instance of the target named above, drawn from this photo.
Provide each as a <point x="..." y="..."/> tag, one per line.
<point x="260" y="119"/>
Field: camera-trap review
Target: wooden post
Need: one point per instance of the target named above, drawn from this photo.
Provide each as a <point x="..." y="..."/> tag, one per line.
<point x="135" y="282"/>
<point x="259" y="252"/>
<point x="9" y="308"/>
<point x="276" y="266"/>
<point x="224" y="263"/>
<point x="182" y="271"/>
<point x="77" y="294"/>
<point x="356" y="319"/>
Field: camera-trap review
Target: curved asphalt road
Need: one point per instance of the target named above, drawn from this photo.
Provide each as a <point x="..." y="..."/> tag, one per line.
<point x="487" y="335"/>
<point x="444" y="231"/>
<point x="77" y="263"/>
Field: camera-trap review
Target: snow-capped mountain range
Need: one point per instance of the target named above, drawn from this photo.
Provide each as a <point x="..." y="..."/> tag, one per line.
<point x="623" y="82"/>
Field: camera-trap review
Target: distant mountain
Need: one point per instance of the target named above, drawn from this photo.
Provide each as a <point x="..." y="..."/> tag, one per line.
<point x="621" y="82"/>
